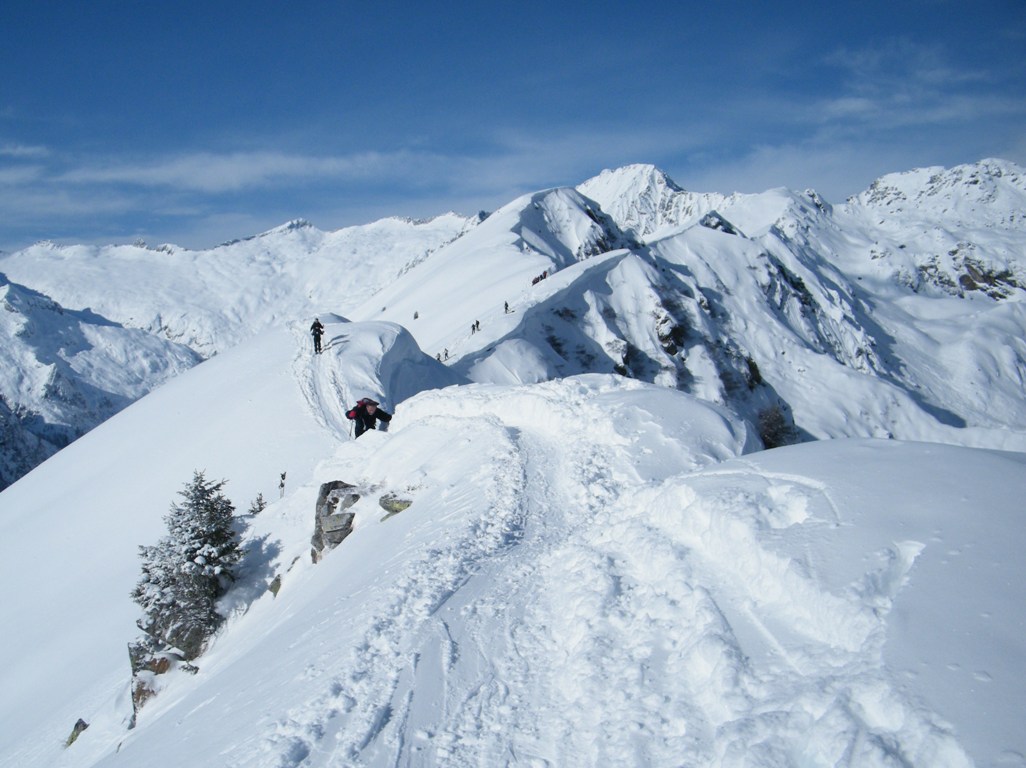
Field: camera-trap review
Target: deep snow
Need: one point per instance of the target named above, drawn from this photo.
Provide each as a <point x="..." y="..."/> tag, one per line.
<point x="658" y="594"/>
<point x="595" y="569"/>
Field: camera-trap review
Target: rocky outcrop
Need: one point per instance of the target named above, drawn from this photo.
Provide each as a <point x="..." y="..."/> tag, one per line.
<point x="392" y="505"/>
<point x="80" y="726"/>
<point x="149" y="659"/>
<point x="332" y="521"/>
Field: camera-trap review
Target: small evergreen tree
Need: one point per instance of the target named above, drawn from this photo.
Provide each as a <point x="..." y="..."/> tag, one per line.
<point x="185" y="574"/>
<point x="258" y="505"/>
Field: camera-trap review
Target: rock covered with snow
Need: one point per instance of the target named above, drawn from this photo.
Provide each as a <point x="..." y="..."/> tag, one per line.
<point x="332" y="520"/>
<point x="957" y="231"/>
<point x="990" y="193"/>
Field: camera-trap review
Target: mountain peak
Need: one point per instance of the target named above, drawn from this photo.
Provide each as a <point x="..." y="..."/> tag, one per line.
<point x="636" y="176"/>
<point x="560" y="223"/>
<point x="644" y="199"/>
<point x="289" y="226"/>
<point x="989" y="192"/>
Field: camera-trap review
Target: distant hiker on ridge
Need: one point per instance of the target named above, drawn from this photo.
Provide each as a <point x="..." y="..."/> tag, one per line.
<point x="317" y="329"/>
<point x="366" y="413"/>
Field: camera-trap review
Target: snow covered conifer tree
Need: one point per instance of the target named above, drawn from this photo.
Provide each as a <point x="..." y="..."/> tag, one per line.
<point x="259" y="505"/>
<point x="189" y="569"/>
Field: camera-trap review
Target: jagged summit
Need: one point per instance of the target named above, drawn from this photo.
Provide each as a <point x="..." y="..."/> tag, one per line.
<point x="938" y="231"/>
<point x="289" y="226"/>
<point x="643" y="199"/>
<point x="646" y="202"/>
<point x="988" y="193"/>
<point x="636" y="177"/>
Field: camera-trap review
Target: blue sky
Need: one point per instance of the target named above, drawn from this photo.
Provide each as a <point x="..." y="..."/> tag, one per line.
<point x="198" y="122"/>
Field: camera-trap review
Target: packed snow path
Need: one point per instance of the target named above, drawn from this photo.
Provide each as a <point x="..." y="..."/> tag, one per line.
<point x="570" y="588"/>
<point x="377" y="359"/>
<point x="320" y="378"/>
<point x="597" y="571"/>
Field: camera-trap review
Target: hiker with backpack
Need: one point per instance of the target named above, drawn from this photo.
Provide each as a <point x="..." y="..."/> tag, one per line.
<point x="317" y="329"/>
<point x="365" y="414"/>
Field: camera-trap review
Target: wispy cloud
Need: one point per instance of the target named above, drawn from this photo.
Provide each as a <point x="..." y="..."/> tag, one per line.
<point x="835" y="169"/>
<point x="20" y="174"/>
<point x="23" y="151"/>
<point x="213" y="173"/>
<point x="512" y="160"/>
<point x="902" y="83"/>
<point x="898" y="60"/>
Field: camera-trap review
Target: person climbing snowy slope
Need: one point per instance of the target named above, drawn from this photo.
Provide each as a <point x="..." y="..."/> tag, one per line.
<point x="317" y="330"/>
<point x="365" y="414"/>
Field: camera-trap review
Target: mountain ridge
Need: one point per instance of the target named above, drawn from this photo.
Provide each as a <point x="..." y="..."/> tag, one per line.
<point x="570" y="546"/>
<point x="824" y="273"/>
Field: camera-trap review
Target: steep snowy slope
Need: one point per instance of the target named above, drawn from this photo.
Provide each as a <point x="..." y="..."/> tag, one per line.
<point x="62" y="372"/>
<point x="495" y="264"/>
<point x="910" y="296"/>
<point x="246" y="416"/>
<point x="933" y="261"/>
<point x="782" y="325"/>
<point x="948" y="232"/>
<point x="657" y="594"/>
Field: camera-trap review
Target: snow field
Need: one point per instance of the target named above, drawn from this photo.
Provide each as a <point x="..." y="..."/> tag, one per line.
<point x="605" y="605"/>
<point x="593" y="570"/>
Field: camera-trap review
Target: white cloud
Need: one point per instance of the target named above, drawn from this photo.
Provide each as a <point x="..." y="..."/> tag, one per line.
<point x="514" y="161"/>
<point x="901" y="83"/>
<point x="20" y="174"/>
<point x="23" y="151"/>
<point x="211" y="172"/>
<point x="835" y="170"/>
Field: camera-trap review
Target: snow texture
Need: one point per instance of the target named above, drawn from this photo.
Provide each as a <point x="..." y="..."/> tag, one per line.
<point x="600" y="563"/>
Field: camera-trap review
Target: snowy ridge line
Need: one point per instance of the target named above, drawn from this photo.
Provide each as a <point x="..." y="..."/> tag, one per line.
<point x="592" y="569"/>
<point x="573" y="493"/>
<point x="353" y="710"/>
<point x="602" y="561"/>
<point x="319" y="380"/>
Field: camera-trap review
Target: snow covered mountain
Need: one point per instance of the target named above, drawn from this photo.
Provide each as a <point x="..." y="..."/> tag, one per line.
<point x="599" y="563"/>
<point x="62" y="372"/>
<point x="191" y="305"/>
<point x="773" y="305"/>
<point x="211" y="300"/>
